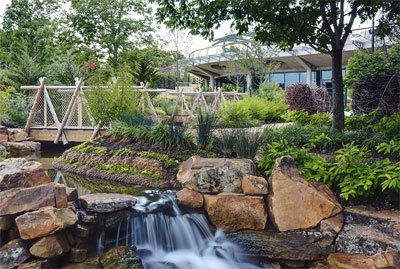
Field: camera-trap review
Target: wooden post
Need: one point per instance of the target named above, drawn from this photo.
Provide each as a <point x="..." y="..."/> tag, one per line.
<point x="71" y="103"/>
<point x="177" y="102"/>
<point x="80" y="112"/>
<point x="45" y="112"/>
<point x="35" y="104"/>
<point x="54" y="114"/>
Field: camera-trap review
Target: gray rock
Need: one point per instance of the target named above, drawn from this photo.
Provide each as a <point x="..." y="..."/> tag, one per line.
<point x="366" y="240"/>
<point x="295" y="246"/>
<point x="215" y="175"/>
<point x="2" y="147"/>
<point x="106" y="202"/>
<point x="17" y="147"/>
<point x="13" y="253"/>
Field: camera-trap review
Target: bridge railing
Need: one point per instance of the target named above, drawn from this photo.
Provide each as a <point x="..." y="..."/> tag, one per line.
<point x="61" y="108"/>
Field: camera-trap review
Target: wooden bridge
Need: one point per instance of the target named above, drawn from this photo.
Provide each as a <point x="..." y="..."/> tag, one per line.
<point x="62" y="112"/>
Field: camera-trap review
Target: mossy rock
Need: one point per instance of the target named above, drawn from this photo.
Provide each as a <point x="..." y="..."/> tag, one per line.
<point x="121" y="257"/>
<point x="90" y="263"/>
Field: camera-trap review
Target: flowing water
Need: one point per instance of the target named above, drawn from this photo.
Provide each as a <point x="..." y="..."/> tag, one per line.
<point x="164" y="235"/>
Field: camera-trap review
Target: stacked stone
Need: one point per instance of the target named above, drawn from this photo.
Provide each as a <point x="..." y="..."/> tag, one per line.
<point x="305" y="216"/>
<point x="36" y="217"/>
<point x="17" y="141"/>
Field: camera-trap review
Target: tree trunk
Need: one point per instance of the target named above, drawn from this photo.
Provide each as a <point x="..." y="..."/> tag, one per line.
<point x="337" y="93"/>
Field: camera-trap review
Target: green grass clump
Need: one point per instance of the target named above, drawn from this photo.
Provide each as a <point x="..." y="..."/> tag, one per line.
<point x="126" y="169"/>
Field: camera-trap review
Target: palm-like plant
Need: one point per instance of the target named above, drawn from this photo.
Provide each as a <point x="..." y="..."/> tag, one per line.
<point x="64" y="70"/>
<point x="145" y="71"/>
<point x="24" y="71"/>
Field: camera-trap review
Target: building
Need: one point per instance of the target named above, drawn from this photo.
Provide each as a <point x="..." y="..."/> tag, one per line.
<point x="302" y="64"/>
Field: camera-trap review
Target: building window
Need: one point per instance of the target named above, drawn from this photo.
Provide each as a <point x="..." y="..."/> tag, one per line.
<point x="291" y="78"/>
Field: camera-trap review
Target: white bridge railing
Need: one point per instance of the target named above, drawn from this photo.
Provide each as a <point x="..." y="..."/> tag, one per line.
<point x="66" y="107"/>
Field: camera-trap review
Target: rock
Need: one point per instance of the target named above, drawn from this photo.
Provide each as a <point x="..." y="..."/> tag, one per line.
<point x="45" y="221"/>
<point x="20" y="200"/>
<point x="91" y="263"/>
<point x="388" y="259"/>
<point x="254" y="185"/>
<point x="16" y="134"/>
<point x="89" y="219"/>
<point x="50" y="246"/>
<point x="386" y="221"/>
<point x="13" y="253"/>
<point x="293" y="202"/>
<point x="106" y="202"/>
<point x="33" y="146"/>
<point x="294" y="246"/>
<point x="3" y="134"/>
<point x="332" y="226"/>
<point x="233" y="212"/>
<point x="366" y="240"/>
<point x="72" y="194"/>
<point x="121" y="257"/>
<point x="2" y="148"/>
<point x="37" y="264"/>
<point x="77" y="255"/>
<point x="18" y="172"/>
<point x="190" y="198"/>
<point x="61" y="196"/>
<point x="6" y="222"/>
<point x="214" y="175"/>
<point x="16" y="147"/>
<point x="81" y="230"/>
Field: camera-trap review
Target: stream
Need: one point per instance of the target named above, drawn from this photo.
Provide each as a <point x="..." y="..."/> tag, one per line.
<point x="163" y="234"/>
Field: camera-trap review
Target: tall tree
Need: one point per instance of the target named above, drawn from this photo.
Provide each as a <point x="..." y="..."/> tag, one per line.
<point x="31" y="24"/>
<point x="111" y="25"/>
<point x="324" y="25"/>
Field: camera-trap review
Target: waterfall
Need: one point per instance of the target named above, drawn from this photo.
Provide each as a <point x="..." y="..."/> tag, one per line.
<point x="165" y="237"/>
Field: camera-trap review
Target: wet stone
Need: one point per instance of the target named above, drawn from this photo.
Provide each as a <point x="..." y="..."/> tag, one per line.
<point x="13" y="253"/>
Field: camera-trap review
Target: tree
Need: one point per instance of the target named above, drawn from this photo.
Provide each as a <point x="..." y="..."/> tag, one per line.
<point x="111" y="24"/>
<point x="321" y="24"/>
<point x="31" y="24"/>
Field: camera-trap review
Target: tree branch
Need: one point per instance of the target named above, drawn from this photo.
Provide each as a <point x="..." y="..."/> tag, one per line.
<point x="325" y="20"/>
<point x="350" y="24"/>
<point x="334" y="19"/>
<point x="341" y="19"/>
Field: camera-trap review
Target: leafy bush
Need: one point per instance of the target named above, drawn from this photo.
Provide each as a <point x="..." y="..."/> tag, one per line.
<point x="353" y="172"/>
<point x="271" y="91"/>
<point x="4" y="96"/>
<point x="17" y="109"/>
<point x="251" y="111"/>
<point x="304" y="118"/>
<point x="206" y="120"/>
<point x="363" y="63"/>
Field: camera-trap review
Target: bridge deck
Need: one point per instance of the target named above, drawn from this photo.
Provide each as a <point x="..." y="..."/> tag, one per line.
<point x="73" y="134"/>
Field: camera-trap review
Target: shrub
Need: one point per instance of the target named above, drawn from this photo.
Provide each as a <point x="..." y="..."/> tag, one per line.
<point x="235" y="114"/>
<point x="4" y="96"/>
<point x="271" y="91"/>
<point x="17" y="109"/>
<point x="226" y="140"/>
<point x="206" y="120"/>
<point x="247" y="143"/>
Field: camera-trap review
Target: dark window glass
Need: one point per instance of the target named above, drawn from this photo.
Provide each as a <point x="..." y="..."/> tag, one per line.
<point x="291" y="78"/>
<point x="303" y="77"/>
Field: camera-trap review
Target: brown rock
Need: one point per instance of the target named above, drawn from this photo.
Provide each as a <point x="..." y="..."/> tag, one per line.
<point x="91" y="263"/>
<point x="81" y="230"/>
<point x="107" y="202"/>
<point x="293" y="202"/>
<point x="3" y="134"/>
<point x="254" y="185"/>
<point x="388" y="259"/>
<point x="332" y="226"/>
<point x="233" y="212"/>
<point x="214" y="175"/>
<point x="18" y="172"/>
<point x="50" y="246"/>
<point x="33" y="146"/>
<point x="72" y="194"/>
<point x="77" y="255"/>
<point x="17" y="147"/>
<point x="30" y="138"/>
<point x="45" y="221"/>
<point x="13" y="253"/>
<point x="20" y="200"/>
<point x="89" y="219"/>
<point x="72" y="206"/>
<point x="16" y="135"/>
<point x="190" y="198"/>
<point x="61" y="196"/>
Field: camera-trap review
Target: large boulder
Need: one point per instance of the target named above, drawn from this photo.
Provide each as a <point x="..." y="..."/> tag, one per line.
<point x="13" y="253"/>
<point x="3" y="134"/>
<point x="106" y="202"/>
<point x="50" y="246"/>
<point x="388" y="259"/>
<point x="18" y="172"/>
<point x="16" y="134"/>
<point x="121" y="257"/>
<point x="190" y="198"/>
<point x="294" y="246"/>
<point x="295" y="203"/>
<point x="215" y="175"/>
<point x="45" y="221"/>
<point x="233" y="212"/>
<point x="20" y="200"/>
